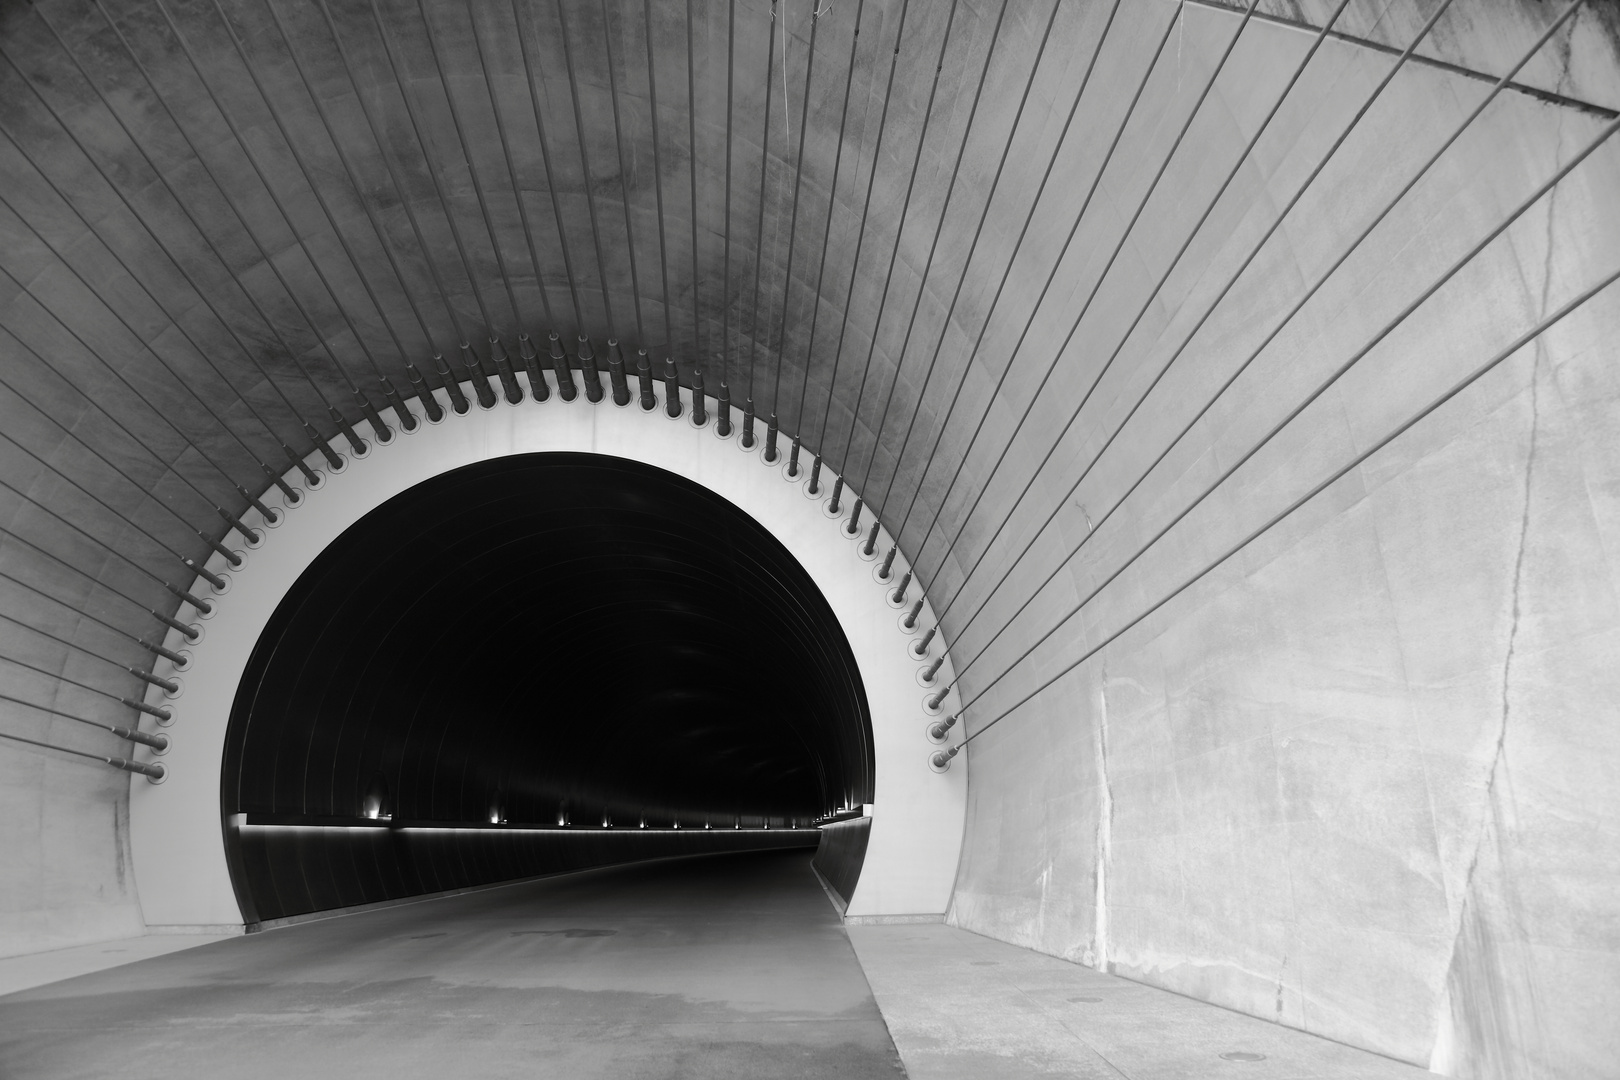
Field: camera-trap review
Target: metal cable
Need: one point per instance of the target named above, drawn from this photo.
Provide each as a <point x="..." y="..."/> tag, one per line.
<point x="860" y="240"/>
<point x="1018" y="245"/>
<point x="1455" y="389"/>
<point x="1321" y="280"/>
<point x="1130" y="226"/>
<point x="624" y="185"/>
<point x="967" y="262"/>
<point x="585" y="165"/>
<point x="230" y="122"/>
<point x="320" y="199"/>
<point x="826" y="236"/>
<point x="658" y="175"/>
<point x="545" y="162"/>
<point x="691" y="164"/>
<point x="117" y="763"/>
<point x="353" y="175"/>
<point x="1147" y="304"/>
<point x="759" y="225"/>
<point x="905" y="206"/>
<point x="224" y="323"/>
<point x="472" y="171"/>
<point x="793" y="220"/>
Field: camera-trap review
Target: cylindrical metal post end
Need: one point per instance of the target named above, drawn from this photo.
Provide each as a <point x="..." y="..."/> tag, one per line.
<point x="155" y="770"/>
<point x="203" y="572"/>
<point x="871" y="539"/>
<point x="452" y="385"/>
<point x="700" y="408"/>
<point x="941" y="729"/>
<point x="151" y="710"/>
<point x="565" y="375"/>
<point x="644" y="381"/>
<point x="331" y="455"/>
<point x="476" y="376"/>
<point x="621" y="385"/>
<point x="168" y="654"/>
<point x="230" y="556"/>
<point x="158" y="742"/>
<point x="934" y="702"/>
<point x="838" y="490"/>
<point x="771" y="456"/>
<point x="672" y="389"/>
<point x="748" y="439"/>
<point x="853" y="527"/>
<point x="252" y="536"/>
<point x="503" y="367"/>
<point x="815" y="476"/>
<point x="382" y="431"/>
<point x="407" y="419"/>
<point x="200" y="604"/>
<point x="538" y="387"/>
<point x="899" y="594"/>
<point x="888" y="562"/>
<point x="424" y="394"/>
<point x="793" y="460"/>
<point x="723" y="423"/>
<point x="148" y="677"/>
<point x="933" y="669"/>
<point x="588" y="373"/>
<point x="911" y="616"/>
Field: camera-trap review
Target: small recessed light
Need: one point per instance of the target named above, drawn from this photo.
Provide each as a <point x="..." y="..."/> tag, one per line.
<point x="1242" y="1055"/>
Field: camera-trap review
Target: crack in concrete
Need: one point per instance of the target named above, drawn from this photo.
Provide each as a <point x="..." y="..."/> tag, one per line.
<point x="1105" y="828"/>
<point x="1446" y="1041"/>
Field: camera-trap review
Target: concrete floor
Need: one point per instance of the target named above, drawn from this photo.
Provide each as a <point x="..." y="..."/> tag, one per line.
<point x="965" y="1007"/>
<point x="719" y="966"/>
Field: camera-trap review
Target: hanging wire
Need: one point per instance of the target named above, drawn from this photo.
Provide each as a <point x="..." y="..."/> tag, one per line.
<point x="759" y="225"/>
<point x="1232" y="280"/>
<point x="905" y="207"/>
<point x="1147" y="305"/>
<point x="798" y="180"/>
<point x="1457" y="388"/>
<point x="967" y="262"/>
<point x="1130" y="226"/>
<point x="860" y="240"/>
<point x="624" y="173"/>
<point x="585" y="165"/>
<point x="826" y="235"/>
<point x="1367" y="231"/>
<point x="545" y="163"/>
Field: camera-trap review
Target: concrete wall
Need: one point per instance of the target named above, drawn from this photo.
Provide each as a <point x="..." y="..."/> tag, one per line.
<point x="1361" y="778"/>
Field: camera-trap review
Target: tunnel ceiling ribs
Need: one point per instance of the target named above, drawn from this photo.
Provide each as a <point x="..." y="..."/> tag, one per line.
<point x="236" y="230"/>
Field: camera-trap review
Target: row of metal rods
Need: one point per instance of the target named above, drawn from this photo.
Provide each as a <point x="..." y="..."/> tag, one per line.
<point x="1541" y="327"/>
<point x="271" y="475"/>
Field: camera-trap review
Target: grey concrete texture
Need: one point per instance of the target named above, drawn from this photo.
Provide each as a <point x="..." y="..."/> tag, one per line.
<point x="1370" y="759"/>
<point x="962" y="1006"/>
<point x="719" y="966"/>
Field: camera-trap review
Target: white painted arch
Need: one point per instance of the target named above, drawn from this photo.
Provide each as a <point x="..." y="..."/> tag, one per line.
<point x="918" y="814"/>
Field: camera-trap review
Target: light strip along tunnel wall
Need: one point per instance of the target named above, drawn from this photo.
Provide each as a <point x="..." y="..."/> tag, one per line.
<point x="1084" y="299"/>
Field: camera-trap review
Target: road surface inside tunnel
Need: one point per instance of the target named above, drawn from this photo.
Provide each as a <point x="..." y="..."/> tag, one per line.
<point x="710" y="966"/>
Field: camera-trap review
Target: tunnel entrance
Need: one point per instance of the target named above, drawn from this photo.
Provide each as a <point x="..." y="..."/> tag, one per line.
<point x="534" y="664"/>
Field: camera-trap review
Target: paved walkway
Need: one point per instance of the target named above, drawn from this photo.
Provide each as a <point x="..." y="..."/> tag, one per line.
<point x="964" y="1007"/>
<point x="713" y="967"/>
<point x="720" y="966"/>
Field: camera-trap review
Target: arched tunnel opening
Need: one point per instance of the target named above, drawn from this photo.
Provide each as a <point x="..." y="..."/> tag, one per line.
<point x="530" y="665"/>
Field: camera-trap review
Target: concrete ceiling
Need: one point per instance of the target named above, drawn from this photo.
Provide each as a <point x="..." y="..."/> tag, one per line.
<point x="228" y="229"/>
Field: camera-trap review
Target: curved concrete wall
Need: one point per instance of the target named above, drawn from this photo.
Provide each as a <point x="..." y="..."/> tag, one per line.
<point x="1360" y="778"/>
<point x="179" y="857"/>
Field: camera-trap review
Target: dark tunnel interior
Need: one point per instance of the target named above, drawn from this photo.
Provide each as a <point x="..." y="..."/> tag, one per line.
<point x="530" y="665"/>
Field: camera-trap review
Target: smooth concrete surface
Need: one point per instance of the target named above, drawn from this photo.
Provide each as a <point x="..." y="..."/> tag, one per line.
<point x="1371" y="760"/>
<point x="730" y="966"/>
<point x="18" y="973"/>
<point x="965" y="1007"/>
<point x="916" y="830"/>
